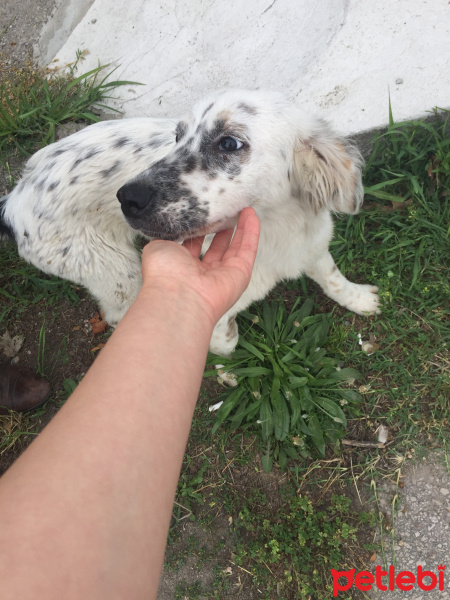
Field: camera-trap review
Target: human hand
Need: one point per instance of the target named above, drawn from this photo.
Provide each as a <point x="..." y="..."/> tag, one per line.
<point x="219" y="279"/>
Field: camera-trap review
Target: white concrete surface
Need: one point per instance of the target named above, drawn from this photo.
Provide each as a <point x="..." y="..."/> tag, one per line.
<point x="65" y="16"/>
<point x="339" y="58"/>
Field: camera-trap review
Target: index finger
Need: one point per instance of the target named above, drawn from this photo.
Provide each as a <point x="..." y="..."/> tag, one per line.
<point x="245" y="241"/>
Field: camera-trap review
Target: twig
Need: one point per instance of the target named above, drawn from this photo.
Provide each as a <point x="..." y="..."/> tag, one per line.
<point x="363" y="444"/>
<point x="189" y="512"/>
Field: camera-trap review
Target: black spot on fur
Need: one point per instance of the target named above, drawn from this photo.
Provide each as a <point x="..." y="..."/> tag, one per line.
<point x="65" y="250"/>
<point x="50" y="166"/>
<point x="87" y="156"/>
<point x="76" y="163"/>
<point x="108" y="172"/>
<point x="138" y="149"/>
<point x="218" y="128"/>
<point x="222" y="190"/>
<point x="157" y="141"/>
<point x="251" y="110"/>
<point x="58" y="152"/>
<point x="190" y="164"/>
<point x="53" y="185"/>
<point x="92" y="153"/>
<point x="180" y="131"/>
<point x="73" y="180"/>
<point x="121" y="142"/>
<point x="5" y="228"/>
<point x="206" y="111"/>
<point x="41" y="184"/>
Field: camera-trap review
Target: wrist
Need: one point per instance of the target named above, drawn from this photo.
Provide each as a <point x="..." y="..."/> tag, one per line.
<point x="179" y="302"/>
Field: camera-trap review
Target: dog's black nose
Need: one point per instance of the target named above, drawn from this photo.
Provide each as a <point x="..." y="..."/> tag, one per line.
<point x="134" y="198"/>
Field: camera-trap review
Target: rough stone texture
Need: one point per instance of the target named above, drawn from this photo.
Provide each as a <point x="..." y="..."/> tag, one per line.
<point x="421" y="527"/>
<point x="20" y="27"/>
<point x="338" y="58"/>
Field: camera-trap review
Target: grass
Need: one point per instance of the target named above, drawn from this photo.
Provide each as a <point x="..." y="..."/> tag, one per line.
<point x="33" y="101"/>
<point x="276" y="534"/>
<point x="404" y="248"/>
<point x="285" y="386"/>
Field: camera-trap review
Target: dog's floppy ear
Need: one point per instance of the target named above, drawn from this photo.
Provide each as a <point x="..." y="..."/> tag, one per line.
<point x="326" y="171"/>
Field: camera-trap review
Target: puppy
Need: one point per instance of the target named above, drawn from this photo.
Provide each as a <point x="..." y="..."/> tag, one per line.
<point x="179" y="179"/>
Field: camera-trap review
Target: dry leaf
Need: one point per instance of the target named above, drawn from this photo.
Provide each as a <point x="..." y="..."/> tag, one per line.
<point x="99" y="347"/>
<point x="10" y="346"/>
<point x="373" y="558"/>
<point x="98" y="324"/>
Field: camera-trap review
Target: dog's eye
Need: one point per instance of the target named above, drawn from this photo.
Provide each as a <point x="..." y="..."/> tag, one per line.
<point x="230" y="144"/>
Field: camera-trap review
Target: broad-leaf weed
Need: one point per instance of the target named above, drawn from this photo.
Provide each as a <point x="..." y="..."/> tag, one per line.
<point x="287" y="388"/>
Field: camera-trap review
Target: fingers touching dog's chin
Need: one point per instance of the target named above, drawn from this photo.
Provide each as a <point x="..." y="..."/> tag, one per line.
<point x="183" y="233"/>
<point x="160" y="234"/>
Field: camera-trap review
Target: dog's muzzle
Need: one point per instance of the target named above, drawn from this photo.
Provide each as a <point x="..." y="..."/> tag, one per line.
<point x="134" y="199"/>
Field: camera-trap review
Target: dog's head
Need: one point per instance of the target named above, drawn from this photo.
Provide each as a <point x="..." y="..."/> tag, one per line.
<point x="241" y="148"/>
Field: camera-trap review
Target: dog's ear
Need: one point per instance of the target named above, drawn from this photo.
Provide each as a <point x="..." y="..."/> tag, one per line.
<point x="326" y="171"/>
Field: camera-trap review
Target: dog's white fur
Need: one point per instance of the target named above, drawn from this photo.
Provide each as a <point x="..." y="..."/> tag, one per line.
<point x="293" y="169"/>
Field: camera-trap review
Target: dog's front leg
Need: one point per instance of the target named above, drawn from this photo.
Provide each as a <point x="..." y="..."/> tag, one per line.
<point x="225" y="335"/>
<point x="359" y="298"/>
<point x="117" y="283"/>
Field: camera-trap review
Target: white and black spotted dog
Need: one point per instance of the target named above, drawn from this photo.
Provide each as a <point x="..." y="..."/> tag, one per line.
<point x="82" y="200"/>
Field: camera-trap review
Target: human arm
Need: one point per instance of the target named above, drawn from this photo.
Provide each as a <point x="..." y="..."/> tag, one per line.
<point x="84" y="513"/>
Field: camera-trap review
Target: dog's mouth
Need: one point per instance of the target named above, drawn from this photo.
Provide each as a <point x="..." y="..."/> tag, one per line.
<point x="182" y="235"/>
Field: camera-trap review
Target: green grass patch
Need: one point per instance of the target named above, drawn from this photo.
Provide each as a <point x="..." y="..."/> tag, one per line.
<point x="34" y="101"/>
<point x="22" y="285"/>
<point x="291" y="553"/>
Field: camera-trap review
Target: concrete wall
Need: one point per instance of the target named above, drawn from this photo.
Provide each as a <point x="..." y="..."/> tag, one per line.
<point x="338" y="58"/>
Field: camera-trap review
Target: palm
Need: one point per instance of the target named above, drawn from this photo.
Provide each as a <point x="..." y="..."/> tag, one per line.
<point x="223" y="274"/>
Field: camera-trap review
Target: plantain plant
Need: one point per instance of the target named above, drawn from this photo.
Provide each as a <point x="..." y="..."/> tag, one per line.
<point x="284" y="385"/>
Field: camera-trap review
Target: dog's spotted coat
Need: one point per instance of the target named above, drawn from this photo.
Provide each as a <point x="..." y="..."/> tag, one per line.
<point x="180" y="179"/>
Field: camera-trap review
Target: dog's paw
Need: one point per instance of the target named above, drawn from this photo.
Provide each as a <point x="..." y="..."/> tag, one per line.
<point x="224" y="338"/>
<point x="363" y="299"/>
<point x="221" y="346"/>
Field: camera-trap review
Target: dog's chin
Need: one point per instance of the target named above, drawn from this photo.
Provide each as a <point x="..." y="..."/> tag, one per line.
<point x="215" y="227"/>
<point x="181" y="236"/>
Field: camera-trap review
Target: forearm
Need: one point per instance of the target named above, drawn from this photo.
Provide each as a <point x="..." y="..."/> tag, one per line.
<point x="105" y="464"/>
